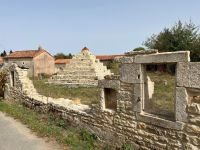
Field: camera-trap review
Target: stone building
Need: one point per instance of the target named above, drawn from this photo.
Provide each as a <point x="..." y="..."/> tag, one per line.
<point x="83" y="70"/>
<point x="36" y="61"/>
<point x="60" y="64"/>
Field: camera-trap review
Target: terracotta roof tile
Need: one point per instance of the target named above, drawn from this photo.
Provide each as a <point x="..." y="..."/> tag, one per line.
<point x="25" y="54"/>
<point x="107" y="57"/>
<point x="62" y="61"/>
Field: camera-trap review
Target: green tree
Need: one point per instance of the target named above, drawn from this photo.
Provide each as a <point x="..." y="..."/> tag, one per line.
<point x="63" y="56"/>
<point x="3" y="54"/>
<point x="179" y="37"/>
<point x="139" y="49"/>
<point x="10" y="52"/>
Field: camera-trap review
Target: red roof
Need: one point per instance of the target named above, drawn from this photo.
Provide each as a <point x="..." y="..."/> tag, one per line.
<point x="25" y="54"/>
<point x="107" y="57"/>
<point x="62" y="61"/>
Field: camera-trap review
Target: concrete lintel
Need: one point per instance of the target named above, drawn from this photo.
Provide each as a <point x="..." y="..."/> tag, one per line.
<point x="167" y="57"/>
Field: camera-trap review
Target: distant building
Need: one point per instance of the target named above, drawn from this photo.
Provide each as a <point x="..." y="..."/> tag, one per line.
<point x="1" y="61"/>
<point x="37" y="61"/>
<point x="60" y="64"/>
<point x="107" y="59"/>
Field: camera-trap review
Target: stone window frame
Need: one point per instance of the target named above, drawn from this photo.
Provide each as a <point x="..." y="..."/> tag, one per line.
<point x="108" y="84"/>
<point x="180" y="98"/>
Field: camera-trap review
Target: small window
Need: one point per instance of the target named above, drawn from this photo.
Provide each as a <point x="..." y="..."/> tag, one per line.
<point x="12" y="78"/>
<point x="110" y="98"/>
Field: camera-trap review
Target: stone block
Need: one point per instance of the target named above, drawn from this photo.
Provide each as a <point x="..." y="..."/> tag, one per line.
<point x="188" y="74"/>
<point x="167" y="57"/>
<point x="194" y="108"/>
<point x="138" y="97"/>
<point x="112" y="84"/>
<point x="124" y="60"/>
<point x="154" y="120"/>
<point x="124" y="96"/>
<point x="181" y="104"/>
<point x="131" y="73"/>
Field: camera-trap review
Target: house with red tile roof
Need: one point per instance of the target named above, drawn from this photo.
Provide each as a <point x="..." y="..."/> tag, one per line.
<point x="60" y="64"/>
<point x="36" y="61"/>
<point x="107" y="59"/>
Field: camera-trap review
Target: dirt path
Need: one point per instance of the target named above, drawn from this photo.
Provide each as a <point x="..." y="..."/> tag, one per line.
<point x="16" y="136"/>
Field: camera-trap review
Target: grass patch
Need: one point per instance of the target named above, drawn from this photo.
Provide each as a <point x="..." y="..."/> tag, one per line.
<point x="47" y="125"/>
<point x="52" y="127"/>
<point x="162" y="101"/>
<point x="86" y="96"/>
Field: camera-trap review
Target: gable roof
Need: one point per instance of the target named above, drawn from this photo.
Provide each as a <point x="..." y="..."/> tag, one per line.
<point x="26" y="54"/>
<point x="62" y="61"/>
<point x="107" y="57"/>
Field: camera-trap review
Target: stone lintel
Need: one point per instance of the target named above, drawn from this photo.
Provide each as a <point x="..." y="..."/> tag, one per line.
<point x="181" y="104"/>
<point x="154" y="120"/>
<point x="167" y="57"/>
<point x="112" y="84"/>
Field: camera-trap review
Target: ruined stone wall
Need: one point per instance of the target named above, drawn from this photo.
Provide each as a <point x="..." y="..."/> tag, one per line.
<point x="128" y="122"/>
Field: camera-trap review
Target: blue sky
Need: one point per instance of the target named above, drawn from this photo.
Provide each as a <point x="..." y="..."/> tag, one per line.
<point x="104" y="26"/>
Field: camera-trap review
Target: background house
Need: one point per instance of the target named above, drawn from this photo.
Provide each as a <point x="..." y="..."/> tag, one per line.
<point x="1" y="61"/>
<point x="37" y="61"/>
<point x="60" y="64"/>
<point x="107" y="59"/>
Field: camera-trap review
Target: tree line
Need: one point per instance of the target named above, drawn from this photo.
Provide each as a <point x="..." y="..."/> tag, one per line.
<point x="180" y="37"/>
<point x="4" y="53"/>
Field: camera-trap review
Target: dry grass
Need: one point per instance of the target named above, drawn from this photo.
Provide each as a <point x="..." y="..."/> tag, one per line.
<point x="162" y="102"/>
<point x="81" y="95"/>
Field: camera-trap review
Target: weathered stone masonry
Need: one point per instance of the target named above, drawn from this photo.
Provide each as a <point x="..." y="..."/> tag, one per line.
<point x="128" y="122"/>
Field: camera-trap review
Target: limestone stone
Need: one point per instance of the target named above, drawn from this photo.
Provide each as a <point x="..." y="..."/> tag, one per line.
<point x="181" y="104"/>
<point x="124" y="60"/>
<point x="167" y="57"/>
<point x="148" y="118"/>
<point x="138" y="97"/>
<point x="193" y="129"/>
<point x="131" y="73"/>
<point x="188" y="74"/>
<point x="113" y="84"/>
<point x="194" y="108"/>
<point x="150" y="87"/>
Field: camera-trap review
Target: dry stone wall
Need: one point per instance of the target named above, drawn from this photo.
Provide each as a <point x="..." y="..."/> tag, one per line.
<point x="128" y="122"/>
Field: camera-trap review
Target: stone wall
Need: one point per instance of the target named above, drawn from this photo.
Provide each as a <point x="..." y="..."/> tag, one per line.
<point x="128" y="122"/>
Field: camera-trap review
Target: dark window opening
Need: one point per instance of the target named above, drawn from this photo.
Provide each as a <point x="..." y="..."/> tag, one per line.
<point x="12" y="78"/>
<point x="110" y="98"/>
